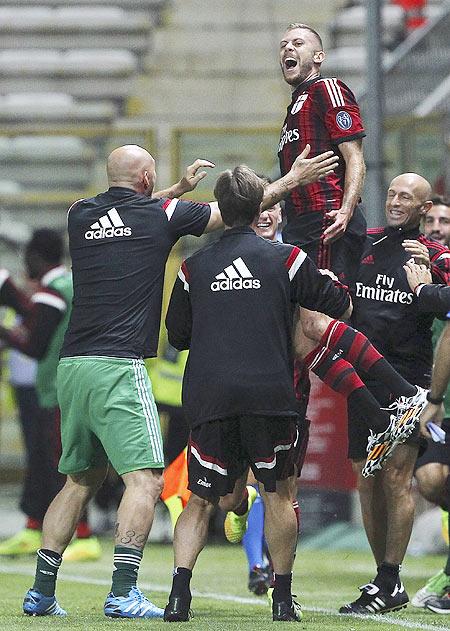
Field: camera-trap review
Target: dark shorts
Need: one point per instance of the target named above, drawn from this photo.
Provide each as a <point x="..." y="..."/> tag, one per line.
<point x="219" y="453"/>
<point x="358" y="430"/>
<point x="342" y="256"/>
<point x="301" y="444"/>
<point x="436" y="452"/>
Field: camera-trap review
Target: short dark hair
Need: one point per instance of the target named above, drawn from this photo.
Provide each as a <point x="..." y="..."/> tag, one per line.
<point x="438" y="200"/>
<point x="239" y="194"/>
<point x="294" y="25"/>
<point x="48" y="244"/>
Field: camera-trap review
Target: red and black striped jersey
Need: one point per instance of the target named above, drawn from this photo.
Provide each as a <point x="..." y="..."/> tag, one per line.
<point x="385" y="308"/>
<point x="232" y="307"/>
<point x="323" y="113"/>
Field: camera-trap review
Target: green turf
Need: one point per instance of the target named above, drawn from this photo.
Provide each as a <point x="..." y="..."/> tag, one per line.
<point x="323" y="581"/>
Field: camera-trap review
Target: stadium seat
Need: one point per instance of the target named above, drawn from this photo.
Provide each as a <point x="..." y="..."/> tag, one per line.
<point x="28" y="160"/>
<point x="53" y="106"/>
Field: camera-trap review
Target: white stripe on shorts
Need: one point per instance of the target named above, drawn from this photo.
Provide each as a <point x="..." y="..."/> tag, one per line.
<point x="153" y="412"/>
<point x="150" y="418"/>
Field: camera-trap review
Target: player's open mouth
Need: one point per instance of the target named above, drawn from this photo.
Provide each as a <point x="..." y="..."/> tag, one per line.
<point x="289" y="63"/>
<point x="263" y="224"/>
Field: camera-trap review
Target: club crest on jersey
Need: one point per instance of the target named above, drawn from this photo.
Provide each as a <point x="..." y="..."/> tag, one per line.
<point x="299" y="103"/>
<point x="344" y="120"/>
<point x="109" y="225"/>
<point x="235" y="276"/>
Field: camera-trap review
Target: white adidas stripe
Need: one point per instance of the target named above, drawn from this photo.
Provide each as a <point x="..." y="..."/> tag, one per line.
<point x="150" y="411"/>
<point x="171" y="208"/>
<point x="182" y="277"/>
<point x="42" y="298"/>
<point x="296" y="264"/>
<point x="238" y="269"/>
<point x="112" y="219"/>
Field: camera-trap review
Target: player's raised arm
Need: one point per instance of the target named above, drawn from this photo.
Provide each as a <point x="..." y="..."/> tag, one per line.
<point x="189" y="180"/>
<point x="303" y="171"/>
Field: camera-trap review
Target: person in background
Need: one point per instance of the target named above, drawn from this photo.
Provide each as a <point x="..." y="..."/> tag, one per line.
<point x="40" y="337"/>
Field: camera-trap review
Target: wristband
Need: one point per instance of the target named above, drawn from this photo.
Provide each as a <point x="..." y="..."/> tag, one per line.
<point x="417" y="288"/>
<point x="435" y="400"/>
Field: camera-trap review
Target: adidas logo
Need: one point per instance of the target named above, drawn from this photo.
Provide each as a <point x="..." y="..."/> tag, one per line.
<point x="110" y="225"/>
<point x="368" y="260"/>
<point x="235" y="276"/>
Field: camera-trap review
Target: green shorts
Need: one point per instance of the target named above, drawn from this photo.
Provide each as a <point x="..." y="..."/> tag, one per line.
<point x="107" y="413"/>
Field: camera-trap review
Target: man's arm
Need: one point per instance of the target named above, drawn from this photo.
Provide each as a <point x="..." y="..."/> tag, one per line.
<point x="179" y="317"/>
<point x="188" y="182"/>
<point x="355" y="171"/>
<point x="34" y="336"/>
<point x="304" y="171"/>
<point x="439" y="382"/>
<point x="12" y="296"/>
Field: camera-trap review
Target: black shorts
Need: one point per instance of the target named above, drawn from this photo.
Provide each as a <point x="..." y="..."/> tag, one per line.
<point x="358" y="430"/>
<point x="219" y="453"/>
<point x="436" y="452"/>
<point x="301" y="444"/>
<point x="342" y="256"/>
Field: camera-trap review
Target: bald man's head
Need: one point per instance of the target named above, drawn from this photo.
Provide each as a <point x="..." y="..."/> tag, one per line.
<point x="133" y="167"/>
<point x="408" y="199"/>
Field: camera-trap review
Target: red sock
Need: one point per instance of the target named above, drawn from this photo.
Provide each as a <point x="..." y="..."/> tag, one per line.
<point x="33" y="524"/>
<point x="83" y="530"/>
<point x="354" y="346"/>
<point x="341" y="377"/>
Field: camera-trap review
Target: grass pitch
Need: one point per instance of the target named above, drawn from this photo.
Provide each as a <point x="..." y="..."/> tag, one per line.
<point x="323" y="581"/>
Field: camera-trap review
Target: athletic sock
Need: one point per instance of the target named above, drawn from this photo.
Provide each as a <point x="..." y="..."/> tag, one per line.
<point x="387" y="576"/>
<point x="253" y="539"/>
<point x="33" y="524"/>
<point x="126" y="568"/>
<point x="83" y="530"/>
<point x="341" y="376"/>
<point x="48" y="564"/>
<point x="282" y="588"/>
<point x="354" y="346"/>
<point x="181" y="582"/>
<point x="242" y="508"/>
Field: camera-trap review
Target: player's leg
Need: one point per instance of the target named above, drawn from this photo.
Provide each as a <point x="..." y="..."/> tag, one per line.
<point x="432" y="476"/>
<point x="126" y="422"/>
<point x="213" y="471"/>
<point x="386" y="592"/>
<point x="270" y="441"/>
<point x="58" y="528"/>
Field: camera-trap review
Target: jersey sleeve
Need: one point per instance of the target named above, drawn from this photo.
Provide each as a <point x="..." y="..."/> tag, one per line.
<point x="313" y="290"/>
<point x="186" y="217"/>
<point x="179" y="315"/>
<point x="339" y="110"/>
<point x="440" y="267"/>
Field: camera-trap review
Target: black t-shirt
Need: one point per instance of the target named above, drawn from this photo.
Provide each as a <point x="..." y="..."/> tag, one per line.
<point x="232" y="307"/>
<point x="119" y="243"/>
<point x="386" y="310"/>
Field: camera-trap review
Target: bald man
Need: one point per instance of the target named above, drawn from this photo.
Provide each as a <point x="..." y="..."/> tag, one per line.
<point x="119" y="243"/>
<point x="386" y="311"/>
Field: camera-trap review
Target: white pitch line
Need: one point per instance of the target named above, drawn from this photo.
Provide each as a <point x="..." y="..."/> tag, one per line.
<point x="242" y="600"/>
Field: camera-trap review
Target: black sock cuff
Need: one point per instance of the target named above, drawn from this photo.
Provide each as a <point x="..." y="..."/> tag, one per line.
<point x="182" y="571"/>
<point x="50" y="553"/>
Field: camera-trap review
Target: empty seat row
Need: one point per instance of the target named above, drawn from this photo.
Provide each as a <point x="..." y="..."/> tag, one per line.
<point x="72" y="18"/>
<point x="53" y="106"/>
<point x="90" y="62"/>
<point x="149" y="5"/>
<point x="45" y="148"/>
